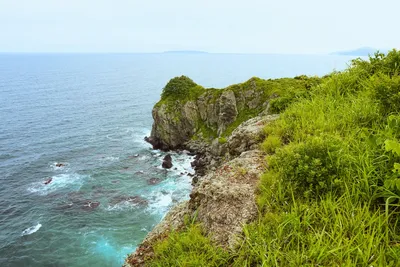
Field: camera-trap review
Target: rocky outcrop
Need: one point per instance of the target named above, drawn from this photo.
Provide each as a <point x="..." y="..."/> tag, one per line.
<point x="167" y="162"/>
<point x="222" y="202"/>
<point x="206" y="116"/>
<point x="245" y="137"/>
<point x="248" y="135"/>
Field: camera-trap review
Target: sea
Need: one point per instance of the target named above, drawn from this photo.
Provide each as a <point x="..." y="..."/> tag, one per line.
<point x="78" y="184"/>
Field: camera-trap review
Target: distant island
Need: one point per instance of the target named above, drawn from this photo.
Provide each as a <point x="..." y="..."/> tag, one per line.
<point x="362" y="51"/>
<point x="185" y="52"/>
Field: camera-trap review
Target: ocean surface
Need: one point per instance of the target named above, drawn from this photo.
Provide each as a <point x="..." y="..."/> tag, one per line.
<point x="90" y="112"/>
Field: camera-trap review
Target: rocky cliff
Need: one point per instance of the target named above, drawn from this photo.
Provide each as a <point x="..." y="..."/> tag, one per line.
<point x="189" y="112"/>
<point x="224" y="127"/>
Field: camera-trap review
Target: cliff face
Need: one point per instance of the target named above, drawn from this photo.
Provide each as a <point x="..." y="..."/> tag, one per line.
<point x="206" y="114"/>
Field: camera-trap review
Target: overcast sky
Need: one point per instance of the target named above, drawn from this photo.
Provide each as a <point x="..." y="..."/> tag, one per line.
<point x="227" y="26"/>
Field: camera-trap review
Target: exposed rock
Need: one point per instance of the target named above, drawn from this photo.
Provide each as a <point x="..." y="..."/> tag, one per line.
<point x="223" y="201"/>
<point x="59" y="165"/>
<point x="227" y="110"/>
<point x="167" y="162"/>
<point x="248" y="135"/>
<point x="48" y="180"/>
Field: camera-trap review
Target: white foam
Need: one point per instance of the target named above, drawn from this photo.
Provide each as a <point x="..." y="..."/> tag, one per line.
<point x="72" y="180"/>
<point x="122" y="206"/>
<point x="160" y="202"/>
<point x="110" y="158"/>
<point x="31" y="230"/>
<point x="143" y="157"/>
<point x="54" y="166"/>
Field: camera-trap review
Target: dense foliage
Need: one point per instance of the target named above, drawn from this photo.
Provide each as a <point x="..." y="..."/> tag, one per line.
<point x="178" y="88"/>
<point x="331" y="195"/>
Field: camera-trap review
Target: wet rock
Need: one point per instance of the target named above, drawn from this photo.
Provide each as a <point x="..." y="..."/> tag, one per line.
<point x="139" y="173"/>
<point x="48" y="181"/>
<point x="153" y="181"/>
<point x="115" y="181"/>
<point x="59" y="165"/>
<point x="167" y="162"/>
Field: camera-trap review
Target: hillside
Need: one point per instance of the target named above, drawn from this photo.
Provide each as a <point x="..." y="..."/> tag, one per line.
<point x="320" y="187"/>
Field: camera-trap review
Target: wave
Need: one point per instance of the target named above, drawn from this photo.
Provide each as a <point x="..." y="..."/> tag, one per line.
<point x="72" y="181"/>
<point x="110" y="158"/>
<point x="31" y="230"/>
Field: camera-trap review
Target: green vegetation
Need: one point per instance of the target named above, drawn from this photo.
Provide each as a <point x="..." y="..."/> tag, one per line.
<point x="188" y="248"/>
<point x="331" y="195"/>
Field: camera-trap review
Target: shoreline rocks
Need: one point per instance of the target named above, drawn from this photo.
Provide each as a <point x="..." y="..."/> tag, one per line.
<point x="167" y="162"/>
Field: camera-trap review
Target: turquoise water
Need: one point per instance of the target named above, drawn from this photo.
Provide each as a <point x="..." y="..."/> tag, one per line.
<point x="91" y="113"/>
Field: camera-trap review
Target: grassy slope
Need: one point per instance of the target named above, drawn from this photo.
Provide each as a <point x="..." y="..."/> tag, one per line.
<point x="331" y="194"/>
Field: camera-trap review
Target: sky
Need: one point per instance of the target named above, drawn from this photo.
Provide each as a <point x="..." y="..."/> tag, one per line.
<point x="219" y="26"/>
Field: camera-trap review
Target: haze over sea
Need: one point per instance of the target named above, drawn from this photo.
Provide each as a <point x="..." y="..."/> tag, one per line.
<point x="91" y="113"/>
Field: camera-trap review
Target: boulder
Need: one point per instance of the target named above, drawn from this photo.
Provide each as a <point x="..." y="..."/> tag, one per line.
<point x="167" y="162"/>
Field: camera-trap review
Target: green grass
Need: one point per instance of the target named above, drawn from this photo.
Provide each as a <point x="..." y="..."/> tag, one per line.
<point x="331" y="195"/>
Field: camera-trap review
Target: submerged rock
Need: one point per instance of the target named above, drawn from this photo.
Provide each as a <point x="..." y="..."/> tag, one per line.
<point x="131" y="199"/>
<point x="153" y="181"/>
<point x="90" y="205"/>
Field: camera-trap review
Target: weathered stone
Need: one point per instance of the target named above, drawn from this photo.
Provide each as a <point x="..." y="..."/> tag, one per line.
<point x="248" y="135"/>
<point x="227" y="110"/>
<point x="167" y="162"/>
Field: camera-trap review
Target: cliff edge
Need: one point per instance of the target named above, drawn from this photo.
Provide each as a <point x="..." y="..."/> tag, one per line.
<point x="224" y="127"/>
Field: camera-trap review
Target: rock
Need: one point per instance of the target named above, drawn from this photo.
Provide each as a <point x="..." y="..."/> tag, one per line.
<point x="59" y="165"/>
<point x="167" y="162"/>
<point x="49" y="180"/>
<point x="222" y="201"/>
<point x="153" y="181"/>
<point x="248" y="135"/>
<point x="227" y="110"/>
<point x="225" y="199"/>
<point x="115" y="181"/>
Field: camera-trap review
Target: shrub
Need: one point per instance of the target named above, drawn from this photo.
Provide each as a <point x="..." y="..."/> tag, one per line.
<point x="387" y="91"/>
<point x="271" y="143"/>
<point x="178" y="87"/>
<point x="311" y="166"/>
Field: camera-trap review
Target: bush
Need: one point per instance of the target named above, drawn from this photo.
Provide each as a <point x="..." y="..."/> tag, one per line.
<point x="387" y="91"/>
<point x="178" y="87"/>
<point x="271" y="143"/>
<point x="311" y="166"/>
